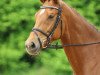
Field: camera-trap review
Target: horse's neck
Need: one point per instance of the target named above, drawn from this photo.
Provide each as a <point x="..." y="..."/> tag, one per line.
<point x="77" y="30"/>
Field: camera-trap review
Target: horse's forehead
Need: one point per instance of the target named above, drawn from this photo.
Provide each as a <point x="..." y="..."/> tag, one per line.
<point x="42" y="12"/>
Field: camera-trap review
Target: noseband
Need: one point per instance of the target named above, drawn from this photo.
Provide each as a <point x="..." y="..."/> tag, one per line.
<point x="54" y="27"/>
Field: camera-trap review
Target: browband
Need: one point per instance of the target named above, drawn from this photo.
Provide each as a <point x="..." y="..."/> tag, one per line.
<point x="52" y="7"/>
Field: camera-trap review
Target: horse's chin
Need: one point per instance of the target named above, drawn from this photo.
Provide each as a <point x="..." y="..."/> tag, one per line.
<point x="33" y="52"/>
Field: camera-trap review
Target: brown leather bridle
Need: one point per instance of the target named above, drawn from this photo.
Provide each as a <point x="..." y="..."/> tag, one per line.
<point x="54" y="27"/>
<point x="49" y="36"/>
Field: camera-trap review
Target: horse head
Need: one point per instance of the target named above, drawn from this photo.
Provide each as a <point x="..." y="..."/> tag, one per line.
<point x="48" y="26"/>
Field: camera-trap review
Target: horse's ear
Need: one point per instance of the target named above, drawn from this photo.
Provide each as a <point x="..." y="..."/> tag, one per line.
<point x="42" y="1"/>
<point x="55" y="1"/>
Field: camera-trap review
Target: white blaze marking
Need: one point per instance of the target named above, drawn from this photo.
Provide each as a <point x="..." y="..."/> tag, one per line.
<point x="42" y="11"/>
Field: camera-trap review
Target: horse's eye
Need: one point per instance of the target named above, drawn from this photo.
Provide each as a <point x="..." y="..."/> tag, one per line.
<point x="51" y="16"/>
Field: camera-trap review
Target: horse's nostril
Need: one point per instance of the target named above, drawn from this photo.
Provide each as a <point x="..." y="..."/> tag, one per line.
<point x="33" y="45"/>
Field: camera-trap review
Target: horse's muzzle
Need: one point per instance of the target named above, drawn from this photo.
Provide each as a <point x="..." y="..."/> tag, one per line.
<point x="32" y="48"/>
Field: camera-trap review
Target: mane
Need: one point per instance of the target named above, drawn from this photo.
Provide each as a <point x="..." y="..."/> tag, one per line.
<point x="75" y="13"/>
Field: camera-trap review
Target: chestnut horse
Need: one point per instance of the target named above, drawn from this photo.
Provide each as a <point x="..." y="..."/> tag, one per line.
<point x="56" y="20"/>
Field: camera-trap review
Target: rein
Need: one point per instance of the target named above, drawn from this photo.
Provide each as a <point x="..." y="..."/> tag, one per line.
<point x="56" y="46"/>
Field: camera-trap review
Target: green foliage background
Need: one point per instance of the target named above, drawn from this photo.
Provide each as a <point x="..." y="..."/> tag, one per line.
<point x="16" y="22"/>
